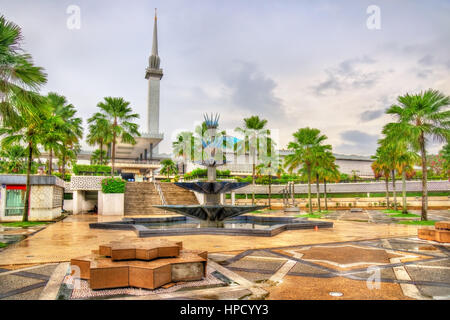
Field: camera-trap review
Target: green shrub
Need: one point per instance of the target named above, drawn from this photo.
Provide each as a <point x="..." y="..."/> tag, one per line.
<point x="67" y="176"/>
<point x="94" y="169"/>
<point x="113" y="185"/>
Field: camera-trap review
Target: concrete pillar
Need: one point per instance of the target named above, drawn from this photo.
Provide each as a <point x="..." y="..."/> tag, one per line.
<point x="78" y="199"/>
<point x="151" y="151"/>
<point x="233" y="198"/>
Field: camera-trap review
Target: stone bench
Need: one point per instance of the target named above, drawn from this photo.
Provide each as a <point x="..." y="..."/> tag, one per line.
<point x="440" y="233"/>
<point x="147" y="265"/>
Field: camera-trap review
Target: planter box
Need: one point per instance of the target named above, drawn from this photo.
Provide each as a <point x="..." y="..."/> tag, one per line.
<point x="111" y="204"/>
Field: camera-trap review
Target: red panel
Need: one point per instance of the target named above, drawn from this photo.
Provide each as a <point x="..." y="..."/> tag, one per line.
<point x="16" y="187"/>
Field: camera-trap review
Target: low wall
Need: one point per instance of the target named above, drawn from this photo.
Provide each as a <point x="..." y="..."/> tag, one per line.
<point x="345" y="203"/>
<point x="111" y="204"/>
<point x="411" y="186"/>
<point x="45" y="203"/>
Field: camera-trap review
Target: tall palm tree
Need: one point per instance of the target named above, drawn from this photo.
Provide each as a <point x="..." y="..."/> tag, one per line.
<point x="28" y="130"/>
<point x="120" y="118"/>
<point x="168" y="167"/>
<point x="402" y="159"/>
<point x="307" y="147"/>
<point x="254" y="133"/>
<point x="381" y="168"/>
<point x="269" y="166"/>
<point x="327" y="170"/>
<point x="183" y="147"/>
<point x="445" y="152"/>
<point x="13" y="159"/>
<point x="420" y="117"/>
<point x="100" y="132"/>
<point x="19" y="78"/>
<point x="100" y="157"/>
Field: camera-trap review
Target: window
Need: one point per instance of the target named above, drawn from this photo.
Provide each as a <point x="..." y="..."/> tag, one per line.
<point x="15" y="196"/>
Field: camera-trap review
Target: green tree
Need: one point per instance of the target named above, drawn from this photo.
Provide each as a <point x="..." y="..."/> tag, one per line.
<point x="100" y="157"/>
<point x="381" y="168"/>
<point x="255" y="137"/>
<point x="168" y="168"/>
<point x="120" y="118"/>
<point x="307" y="148"/>
<point x="19" y="77"/>
<point x="13" y="159"/>
<point x="269" y="166"/>
<point x="184" y="146"/>
<point x="421" y="117"/>
<point x="445" y="154"/>
<point x="327" y="170"/>
<point x="100" y="133"/>
<point x="27" y="130"/>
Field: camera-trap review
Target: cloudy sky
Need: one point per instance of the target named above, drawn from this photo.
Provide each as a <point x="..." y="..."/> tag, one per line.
<point x="296" y="63"/>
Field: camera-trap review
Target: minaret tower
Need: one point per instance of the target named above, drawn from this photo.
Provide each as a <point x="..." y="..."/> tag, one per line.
<point x="153" y="74"/>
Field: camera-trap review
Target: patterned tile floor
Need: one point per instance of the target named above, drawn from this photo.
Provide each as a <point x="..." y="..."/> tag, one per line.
<point x="358" y="269"/>
<point x="393" y="264"/>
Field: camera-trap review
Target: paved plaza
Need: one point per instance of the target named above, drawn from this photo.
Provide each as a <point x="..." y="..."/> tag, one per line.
<point x="365" y="256"/>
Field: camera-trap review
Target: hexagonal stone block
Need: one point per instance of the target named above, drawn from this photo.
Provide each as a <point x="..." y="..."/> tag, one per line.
<point x="148" y="250"/>
<point x="442" y="236"/>
<point x="147" y="272"/>
<point x="442" y="225"/>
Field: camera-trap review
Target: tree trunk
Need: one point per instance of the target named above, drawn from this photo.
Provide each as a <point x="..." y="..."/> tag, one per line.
<point x="309" y="190"/>
<point x="325" y="193"/>
<point x="387" y="191"/>
<point x="270" y="191"/>
<point x="50" y="162"/>
<point x="393" y="190"/>
<point x="26" y="207"/>
<point x="318" y="192"/>
<point x="101" y="152"/>
<point x="63" y="171"/>
<point x="424" y="178"/>
<point x="405" y="209"/>
<point x="253" y="179"/>
<point x="113" y="153"/>
<point x="293" y="193"/>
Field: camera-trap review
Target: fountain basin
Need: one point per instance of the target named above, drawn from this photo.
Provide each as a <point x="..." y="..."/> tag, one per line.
<point x="181" y="225"/>
<point x="211" y="187"/>
<point x="210" y="212"/>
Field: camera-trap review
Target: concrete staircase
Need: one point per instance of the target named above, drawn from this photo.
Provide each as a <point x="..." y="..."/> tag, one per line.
<point x="177" y="195"/>
<point x="141" y="196"/>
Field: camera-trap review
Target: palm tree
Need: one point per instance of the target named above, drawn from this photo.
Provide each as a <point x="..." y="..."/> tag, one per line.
<point x="269" y="166"/>
<point x="421" y="117"/>
<point x="381" y="168"/>
<point x="19" y="78"/>
<point x="119" y="116"/>
<point x="254" y="134"/>
<point x="100" y="157"/>
<point x="183" y="146"/>
<point x="307" y="147"/>
<point x="100" y="133"/>
<point x="168" y="167"/>
<point x="445" y="153"/>
<point x="326" y="170"/>
<point x="402" y="160"/>
<point x="14" y="159"/>
<point x="27" y="130"/>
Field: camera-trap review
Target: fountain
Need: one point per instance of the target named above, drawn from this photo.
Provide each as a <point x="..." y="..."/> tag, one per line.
<point x="212" y="213"/>
<point x="212" y="217"/>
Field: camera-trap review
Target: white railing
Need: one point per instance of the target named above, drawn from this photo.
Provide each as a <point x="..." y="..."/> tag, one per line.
<point x="161" y="194"/>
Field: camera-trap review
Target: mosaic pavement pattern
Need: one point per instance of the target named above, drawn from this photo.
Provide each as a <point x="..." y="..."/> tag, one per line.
<point x="396" y="268"/>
